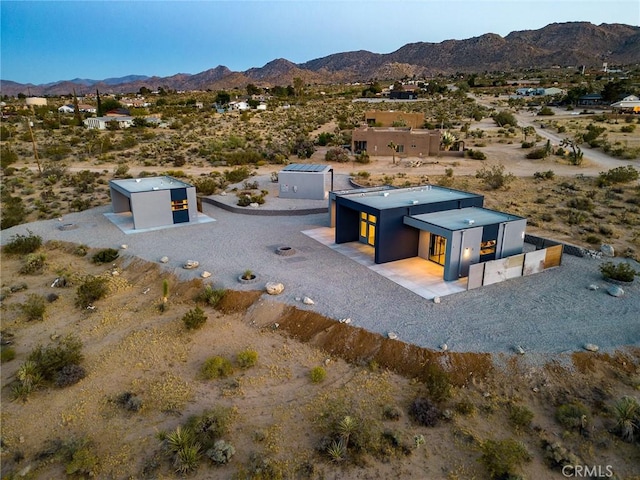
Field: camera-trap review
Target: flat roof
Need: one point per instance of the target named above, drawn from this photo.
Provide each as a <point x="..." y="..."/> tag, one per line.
<point x="303" y="167"/>
<point x="147" y="184"/>
<point x="461" y="219"/>
<point x="400" y="197"/>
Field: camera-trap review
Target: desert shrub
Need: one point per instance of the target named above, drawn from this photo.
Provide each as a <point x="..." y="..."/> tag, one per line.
<point x="211" y="425"/>
<point x="494" y="177"/>
<point x="317" y="374"/>
<point x="505" y="118"/>
<point x="465" y="407"/>
<point x="129" y="401"/>
<point x="546" y="111"/>
<point x="206" y="185"/>
<point x="546" y="217"/>
<point x="7" y="353"/>
<point x="221" y="452"/>
<point x="91" y="290"/>
<point x="34" y="307"/>
<point x="81" y="251"/>
<point x="336" y="155"/>
<point x="211" y="296"/>
<point x="107" y="255"/>
<point x="627" y="128"/>
<point x="581" y="203"/>
<point x="537" y="154"/>
<point x="362" y="157"/>
<point x="424" y="412"/>
<point x="69" y="375"/>
<point x="528" y="144"/>
<point x="194" y="318"/>
<point x="437" y="382"/>
<point x="548" y="175"/>
<point x="50" y="360"/>
<point x="247" y="358"/>
<point x="623" y="174"/>
<point x="502" y="457"/>
<point x="216" y="367"/>
<point x="605" y="230"/>
<point x="237" y="175"/>
<point x="13" y="210"/>
<point x="592" y="239"/>
<point x="520" y="416"/>
<point x="573" y="415"/>
<point x="23" y="244"/>
<point x="79" y="458"/>
<point x="622" y="271"/>
<point x="391" y="412"/>
<point x="476" y="154"/>
<point x="33" y="263"/>
<point x="626" y="412"/>
<point x="575" y="217"/>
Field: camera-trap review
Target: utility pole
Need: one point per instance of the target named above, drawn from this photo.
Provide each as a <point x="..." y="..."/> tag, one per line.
<point x="35" y="149"/>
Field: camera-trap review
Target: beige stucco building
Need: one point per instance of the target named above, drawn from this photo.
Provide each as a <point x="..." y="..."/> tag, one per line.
<point x="375" y="118"/>
<point x="414" y="142"/>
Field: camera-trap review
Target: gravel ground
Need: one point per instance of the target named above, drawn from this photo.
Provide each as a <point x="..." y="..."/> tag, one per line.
<point x="551" y="312"/>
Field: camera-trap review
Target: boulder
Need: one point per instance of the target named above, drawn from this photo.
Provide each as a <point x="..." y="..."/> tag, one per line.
<point x="392" y="335"/>
<point x="254" y="205"/>
<point x="518" y="349"/>
<point x="205" y="274"/>
<point x="437" y="299"/>
<point x="308" y="301"/>
<point x="274" y="288"/>
<point x="590" y="347"/>
<point x="607" y="250"/>
<point x="124" y="246"/>
<point x="615" y="291"/>
<point x="444" y="347"/>
<point x="190" y="264"/>
<point x="593" y="287"/>
<point x="164" y="260"/>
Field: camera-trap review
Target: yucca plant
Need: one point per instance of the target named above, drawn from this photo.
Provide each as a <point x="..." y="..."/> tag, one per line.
<point x="627" y="415"/>
<point x="179" y="439"/>
<point x="346" y="427"/>
<point x="187" y="458"/>
<point x="337" y="450"/>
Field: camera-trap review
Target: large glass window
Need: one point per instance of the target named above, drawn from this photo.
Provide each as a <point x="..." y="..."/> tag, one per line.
<point x="368" y="228"/>
<point x="437" y="249"/>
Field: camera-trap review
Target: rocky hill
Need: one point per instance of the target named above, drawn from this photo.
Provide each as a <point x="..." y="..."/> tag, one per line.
<point x="563" y="44"/>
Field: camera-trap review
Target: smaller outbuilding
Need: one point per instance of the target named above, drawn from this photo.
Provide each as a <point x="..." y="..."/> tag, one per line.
<point x="154" y="201"/>
<point x="312" y="182"/>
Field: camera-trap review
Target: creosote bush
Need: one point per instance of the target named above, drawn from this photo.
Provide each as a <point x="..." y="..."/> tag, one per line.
<point x="91" y="290"/>
<point x="23" y="244"/>
<point x="34" y="307"/>
<point x="494" y="177"/>
<point x="317" y="374"/>
<point x="520" y="416"/>
<point x="622" y="271"/>
<point x="247" y="358"/>
<point x="573" y="415"/>
<point x="211" y="296"/>
<point x="216" y="367"/>
<point x="33" y="263"/>
<point x="502" y="457"/>
<point x="194" y="318"/>
<point x="107" y="255"/>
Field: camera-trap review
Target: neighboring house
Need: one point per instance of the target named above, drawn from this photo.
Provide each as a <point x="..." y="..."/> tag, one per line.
<point x="408" y="141"/>
<point x="403" y="95"/>
<point x="118" y="112"/>
<point x="630" y="103"/>
<point x="241" y="105"/>
<point x="446" y="226"/>
<point x="262" y="107"/>
<point x="84" y="108"/>
<point x="591" y="100"/>
<point x="154" y="201"/>
<point x="301" y="180"/>
<point x="66" y="109"/>
<point x="374" y="118"/>
<point x="101" y="123"/>
<point x="35" y="101"/>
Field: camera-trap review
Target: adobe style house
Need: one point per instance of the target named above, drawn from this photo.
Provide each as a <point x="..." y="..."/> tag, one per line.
<point x="154" y="201"/>
<point x="375" y="118"/>
<point x="299" y="180"/>
<point x="442" y="225"/>
<point x="409" y="141"/>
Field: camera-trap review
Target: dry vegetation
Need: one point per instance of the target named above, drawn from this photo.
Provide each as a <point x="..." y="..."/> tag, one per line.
<point x="296" y="395"/>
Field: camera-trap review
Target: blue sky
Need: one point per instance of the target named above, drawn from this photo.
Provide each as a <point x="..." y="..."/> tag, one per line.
<point x="48" y="41"/>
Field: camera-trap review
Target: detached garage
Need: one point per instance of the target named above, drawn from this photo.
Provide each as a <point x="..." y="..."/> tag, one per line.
<point x="154" y="201"/>
<point x="312" y="182"/>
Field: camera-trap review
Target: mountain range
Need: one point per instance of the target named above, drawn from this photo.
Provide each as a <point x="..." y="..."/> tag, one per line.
<point x="571" y="44"/>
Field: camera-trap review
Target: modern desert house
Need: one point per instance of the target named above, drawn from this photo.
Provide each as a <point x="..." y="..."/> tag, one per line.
<point x="446" y="226"/>
<point x="154" y="201"/>
<point x="298" y="180"/>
